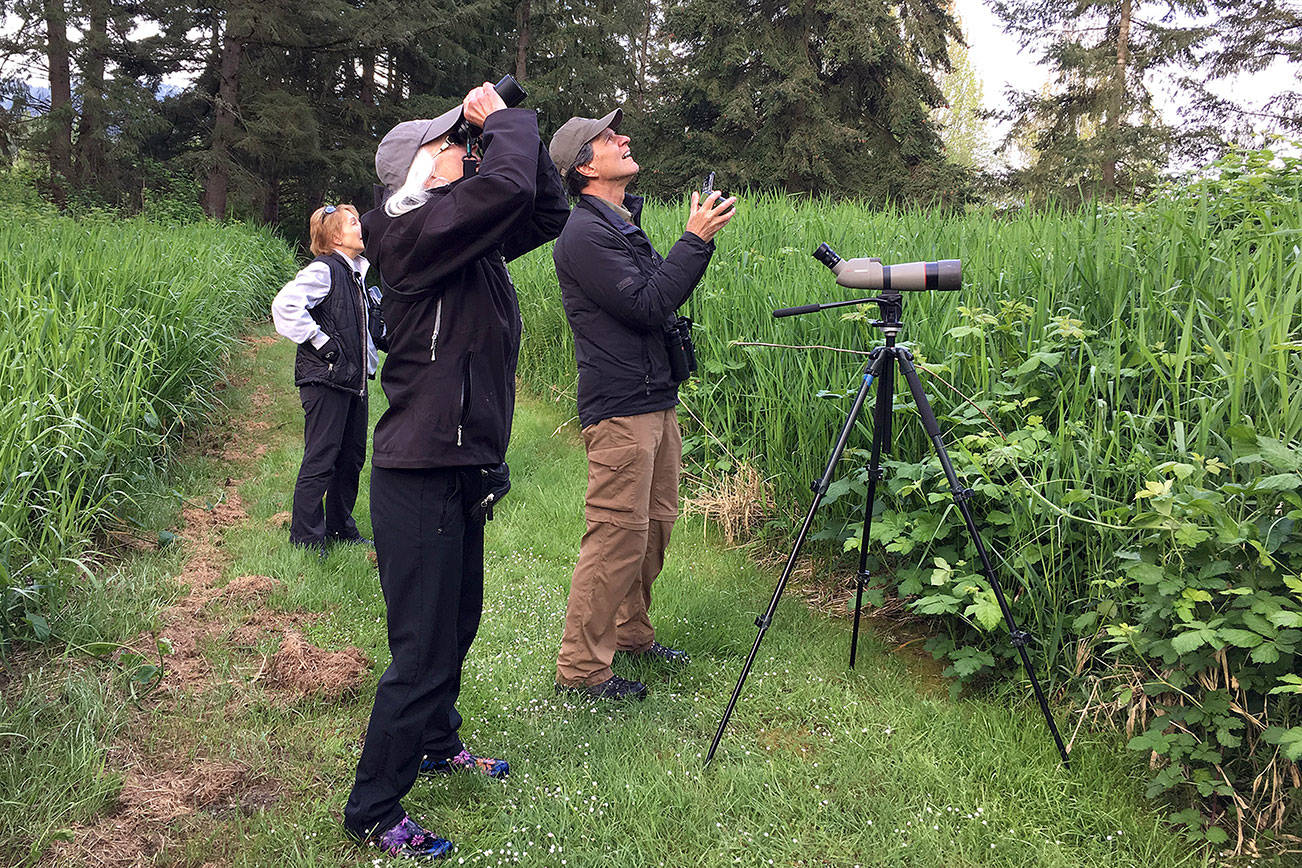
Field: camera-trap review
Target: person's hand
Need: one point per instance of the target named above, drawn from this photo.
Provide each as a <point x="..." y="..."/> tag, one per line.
<point x="708" y="217"/>
<point x="329" y="351"/>
<point x="480" y="103"/>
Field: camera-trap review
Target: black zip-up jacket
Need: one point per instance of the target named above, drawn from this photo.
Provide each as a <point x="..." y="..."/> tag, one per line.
<point x="342" y="316"/>
<point x="449" y="305"/>
<point x="618" y="294"/>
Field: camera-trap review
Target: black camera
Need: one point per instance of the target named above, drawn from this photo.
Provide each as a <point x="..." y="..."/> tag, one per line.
<point x="465" y="133"/>
<point x="679" y="347"/>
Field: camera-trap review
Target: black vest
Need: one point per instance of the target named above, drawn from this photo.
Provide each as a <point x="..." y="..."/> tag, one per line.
<point x="341" y="315"/>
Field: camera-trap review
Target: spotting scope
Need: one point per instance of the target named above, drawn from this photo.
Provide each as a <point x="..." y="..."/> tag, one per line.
<point x="866" y="272"/>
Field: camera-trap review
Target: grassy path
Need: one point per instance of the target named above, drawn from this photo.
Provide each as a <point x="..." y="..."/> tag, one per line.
<point x="821" y="766"/>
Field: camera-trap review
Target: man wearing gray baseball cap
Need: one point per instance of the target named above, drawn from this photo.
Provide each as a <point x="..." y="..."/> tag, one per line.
<point x="621" y="299"/>
<point x="441" y="242"/>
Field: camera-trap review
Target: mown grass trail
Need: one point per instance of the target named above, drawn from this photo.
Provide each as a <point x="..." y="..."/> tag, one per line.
<point x="820" y="767"/>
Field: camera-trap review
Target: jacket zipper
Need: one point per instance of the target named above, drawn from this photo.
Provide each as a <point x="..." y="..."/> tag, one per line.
<point x="361" y="321"/>
<point x="465" y="397"/>
<point x="434" y="338"/>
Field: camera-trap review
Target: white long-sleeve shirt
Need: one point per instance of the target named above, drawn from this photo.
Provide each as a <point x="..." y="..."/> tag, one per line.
<point x="289" y="310"/>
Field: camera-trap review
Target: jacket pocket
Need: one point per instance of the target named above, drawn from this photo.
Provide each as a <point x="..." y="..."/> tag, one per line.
<point x="466" y="395"/>
<point x="613" y="477"/>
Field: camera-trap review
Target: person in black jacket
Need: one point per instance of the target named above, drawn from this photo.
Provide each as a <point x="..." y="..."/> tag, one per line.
<point x="441" y="242"/>
<point x="328" y="311"/>
<point x="620" y="297"/>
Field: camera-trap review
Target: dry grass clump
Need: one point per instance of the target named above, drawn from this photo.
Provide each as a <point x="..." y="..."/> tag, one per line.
<point x="302" y="669"/>
<point x="737" y="502"/>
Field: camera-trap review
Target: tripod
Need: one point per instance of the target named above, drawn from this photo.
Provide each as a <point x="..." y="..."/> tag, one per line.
<point x="880" y="369"/>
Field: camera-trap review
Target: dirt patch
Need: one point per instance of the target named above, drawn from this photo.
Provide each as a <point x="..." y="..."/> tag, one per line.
<point x="156" y="797"/>
<point x="281" y="520"/>
<point x="166" y="799"/>
<point x="248" y="588"/>
<point x="261" y="340"/>
<point x="798" y="740"/>
<point x="262" y="623"/>
<point x="301" y="669"/>
<point x="161" y="796"/>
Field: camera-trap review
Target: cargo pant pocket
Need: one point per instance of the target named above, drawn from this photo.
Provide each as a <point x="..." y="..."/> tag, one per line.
<point x="613" y="478"/>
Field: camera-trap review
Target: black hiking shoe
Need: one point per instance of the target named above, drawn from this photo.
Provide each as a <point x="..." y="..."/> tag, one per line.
<point x="613" y="687"/>
<point x="661" y="653"/>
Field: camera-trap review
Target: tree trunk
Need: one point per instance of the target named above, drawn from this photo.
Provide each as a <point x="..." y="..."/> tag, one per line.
<point x="1112" y="126"/>
<point x="226" y="108"/>
<point x="367" y="94"/>
<point x="61" y="109"/>
<point x="522" y="38"/>
<point x="90" y="130"/>
<point x="271" y="200"/>
<point x="644" y="57"/>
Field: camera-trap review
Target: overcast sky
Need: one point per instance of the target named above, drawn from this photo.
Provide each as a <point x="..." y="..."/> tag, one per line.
<point x="1000" y="61"/>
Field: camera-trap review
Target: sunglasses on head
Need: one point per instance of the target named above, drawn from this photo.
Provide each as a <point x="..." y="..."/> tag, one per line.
<point x="329" y="209"/>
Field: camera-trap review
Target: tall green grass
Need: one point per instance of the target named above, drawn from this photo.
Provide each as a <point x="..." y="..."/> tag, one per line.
<point x="112" y="335"/>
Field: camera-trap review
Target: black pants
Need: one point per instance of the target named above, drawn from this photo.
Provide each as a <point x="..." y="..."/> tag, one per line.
<point x="431" y="558"/>
<point x="334" y="450"/>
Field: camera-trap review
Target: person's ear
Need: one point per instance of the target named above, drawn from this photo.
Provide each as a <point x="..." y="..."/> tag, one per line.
<point x="586" y="170"/>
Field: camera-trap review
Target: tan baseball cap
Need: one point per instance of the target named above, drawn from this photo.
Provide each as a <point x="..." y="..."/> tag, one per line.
<point x="574" y="134"/>
<point x="399" y="146"/>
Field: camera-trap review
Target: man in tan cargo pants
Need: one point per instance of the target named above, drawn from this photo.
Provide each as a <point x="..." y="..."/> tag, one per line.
<point x="621" y="299"/>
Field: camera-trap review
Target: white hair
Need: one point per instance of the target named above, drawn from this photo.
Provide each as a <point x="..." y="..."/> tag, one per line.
<point x="412" y="194"/>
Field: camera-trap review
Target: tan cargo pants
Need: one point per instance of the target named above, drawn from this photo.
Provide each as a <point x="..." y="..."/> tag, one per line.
<point x="632" y="502"/>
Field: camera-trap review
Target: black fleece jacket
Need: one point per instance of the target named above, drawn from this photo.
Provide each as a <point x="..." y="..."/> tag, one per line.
<point x="618" y="294"/>
<point x="450" y="307"/>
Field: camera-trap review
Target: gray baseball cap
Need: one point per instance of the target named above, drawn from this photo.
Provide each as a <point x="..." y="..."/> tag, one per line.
<point x="399" y="146"/>
<point x="574" y="134"/>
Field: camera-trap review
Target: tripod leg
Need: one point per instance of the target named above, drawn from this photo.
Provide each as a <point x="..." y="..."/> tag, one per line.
<point x="881" y="443"/>
<point x="962" y="494"/>
<point x="875" y="361"/>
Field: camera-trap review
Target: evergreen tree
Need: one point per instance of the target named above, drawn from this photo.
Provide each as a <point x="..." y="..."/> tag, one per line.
<point x="1097" y="131"/>
<point x="1249" y="36"/>
<point x="831" y="96"/>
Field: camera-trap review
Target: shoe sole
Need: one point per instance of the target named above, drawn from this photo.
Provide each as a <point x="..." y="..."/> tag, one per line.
<point x="580" y="693"/>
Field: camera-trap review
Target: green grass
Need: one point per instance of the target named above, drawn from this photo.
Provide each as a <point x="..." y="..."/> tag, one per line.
<point x="821" y="766"/>
<point x="113" y="334"/>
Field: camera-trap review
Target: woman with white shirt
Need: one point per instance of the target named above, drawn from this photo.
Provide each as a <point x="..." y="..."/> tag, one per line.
<point x="328" y="311"/>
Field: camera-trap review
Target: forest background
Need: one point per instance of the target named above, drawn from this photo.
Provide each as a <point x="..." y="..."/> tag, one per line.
<point x="282" y="103"/>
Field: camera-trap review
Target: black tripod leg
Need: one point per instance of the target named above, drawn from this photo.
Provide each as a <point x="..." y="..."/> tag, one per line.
<point x="962" y="494"/>
<point x="875" y="360"/>
<point x="881" y="443"/>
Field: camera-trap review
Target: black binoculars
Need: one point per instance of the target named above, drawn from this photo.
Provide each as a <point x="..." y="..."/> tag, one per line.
<point x="680" y="349"/>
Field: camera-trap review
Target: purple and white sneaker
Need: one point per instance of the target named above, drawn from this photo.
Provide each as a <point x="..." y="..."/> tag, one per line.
<point x="408" y="840"/>
<point x="466" y="761"/>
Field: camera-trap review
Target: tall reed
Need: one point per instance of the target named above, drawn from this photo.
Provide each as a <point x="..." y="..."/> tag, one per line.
<point x="112" y="334"/>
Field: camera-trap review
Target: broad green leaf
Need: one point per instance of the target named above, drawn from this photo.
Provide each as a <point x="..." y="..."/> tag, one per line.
<point x="1279" y="482"/>
<point x="1190" y="640"/>
<point x="1240" y="638"/>
<point x="1266" y="653"/>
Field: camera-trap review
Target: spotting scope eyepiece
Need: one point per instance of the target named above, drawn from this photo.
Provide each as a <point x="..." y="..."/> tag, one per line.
<point x="827" y="256"/>
<point x="866" y="272"/>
